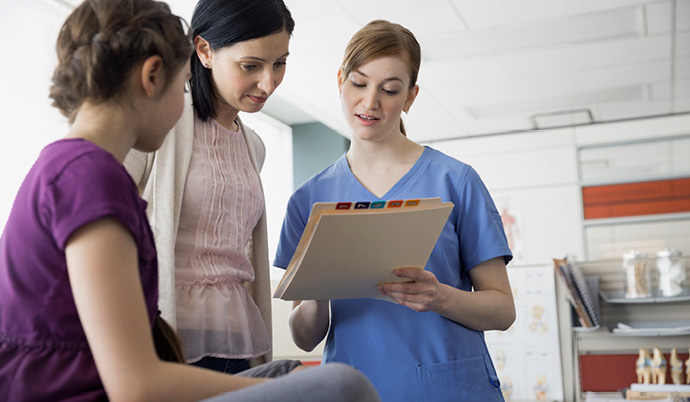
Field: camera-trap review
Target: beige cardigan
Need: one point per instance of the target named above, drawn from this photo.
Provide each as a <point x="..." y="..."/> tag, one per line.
<point x="161" y="177"/>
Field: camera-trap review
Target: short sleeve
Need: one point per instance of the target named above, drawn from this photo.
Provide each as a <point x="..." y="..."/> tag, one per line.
<point x="293" y="226"/>
<point x="479" y="225"/>
<point x="91" y="187"/>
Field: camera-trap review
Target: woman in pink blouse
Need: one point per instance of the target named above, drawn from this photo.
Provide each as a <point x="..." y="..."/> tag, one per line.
<point x="206" y="199"/>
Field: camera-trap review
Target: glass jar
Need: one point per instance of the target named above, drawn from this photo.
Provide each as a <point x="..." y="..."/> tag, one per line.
<point x="637" y="275"/>
<point x="671" y="267"/>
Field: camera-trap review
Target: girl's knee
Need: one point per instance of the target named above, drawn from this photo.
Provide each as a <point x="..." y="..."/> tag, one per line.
<point x="353" y="385"/>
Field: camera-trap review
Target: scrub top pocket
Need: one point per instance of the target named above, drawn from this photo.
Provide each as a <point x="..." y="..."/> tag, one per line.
<point x="468" y="380"/>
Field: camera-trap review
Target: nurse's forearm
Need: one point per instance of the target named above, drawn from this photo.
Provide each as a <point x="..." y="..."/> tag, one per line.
<point x="309" y="323"/>
<point x="479" y="310"/>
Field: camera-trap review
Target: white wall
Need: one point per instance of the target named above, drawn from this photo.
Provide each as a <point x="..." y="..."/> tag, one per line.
<point x="29" y="30"/>
<point x="538" y="172"/>
<point x="535" y="174"/>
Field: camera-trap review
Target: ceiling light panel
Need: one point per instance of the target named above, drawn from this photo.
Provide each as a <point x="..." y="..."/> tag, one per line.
<point x="423" y="18"/>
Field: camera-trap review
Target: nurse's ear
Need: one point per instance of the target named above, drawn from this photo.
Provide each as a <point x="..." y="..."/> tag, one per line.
<point x="340" y="82"/>
<point x="411" y="96"/>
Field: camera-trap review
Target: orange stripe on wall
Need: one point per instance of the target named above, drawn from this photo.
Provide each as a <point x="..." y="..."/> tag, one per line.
<point x="612" y="373"/>
<point x="634" y="199"/>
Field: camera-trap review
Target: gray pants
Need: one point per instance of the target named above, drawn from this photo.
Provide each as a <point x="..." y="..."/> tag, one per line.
<point x="332" y="382"/>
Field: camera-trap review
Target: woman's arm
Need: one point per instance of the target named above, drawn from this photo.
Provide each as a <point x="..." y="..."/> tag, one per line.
<point x="309" y="323"/>
<point x="489" y="307"/>
<point x="104" y="276"/>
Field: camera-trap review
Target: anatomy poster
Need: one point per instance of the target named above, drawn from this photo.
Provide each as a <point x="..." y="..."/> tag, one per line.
<point x="511" y="214"/>
<point x="527" y="356"/>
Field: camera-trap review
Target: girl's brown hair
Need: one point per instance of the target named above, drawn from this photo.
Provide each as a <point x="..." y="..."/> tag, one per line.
<point x="381" y="38"/>
<point x="103" y="40"/>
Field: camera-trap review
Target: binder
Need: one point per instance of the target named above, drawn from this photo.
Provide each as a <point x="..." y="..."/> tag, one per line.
<point x="348" y="248"/>
<point x="578" y="293"/>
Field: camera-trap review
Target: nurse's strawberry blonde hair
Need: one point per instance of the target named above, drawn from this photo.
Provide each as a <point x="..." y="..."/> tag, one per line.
<point x="381" y="38"/>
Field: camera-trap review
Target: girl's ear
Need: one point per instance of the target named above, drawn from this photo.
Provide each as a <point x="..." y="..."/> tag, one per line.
<point x="152" y="77"/>
<point x="411" y="96"/>
<point x="203" y="50"/>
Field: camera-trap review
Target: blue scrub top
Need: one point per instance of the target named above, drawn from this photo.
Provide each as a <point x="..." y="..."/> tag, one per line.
<point x="411" y="356"/>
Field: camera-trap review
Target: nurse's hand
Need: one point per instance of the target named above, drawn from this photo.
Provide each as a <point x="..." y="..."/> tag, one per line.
<point x="424" y="293"/>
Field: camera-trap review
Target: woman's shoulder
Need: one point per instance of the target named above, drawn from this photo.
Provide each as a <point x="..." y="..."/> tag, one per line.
<point x="442" y="161"/>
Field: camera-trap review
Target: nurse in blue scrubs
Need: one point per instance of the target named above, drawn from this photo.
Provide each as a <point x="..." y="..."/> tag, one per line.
<point x="429" y="346"/>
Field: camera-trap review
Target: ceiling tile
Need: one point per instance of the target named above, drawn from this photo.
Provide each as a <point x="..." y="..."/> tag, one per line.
<point x="682" y="69"/>
<point x="313" y="67"/>
<point x="683" y="44"/>
<point x="428" y="118"/>
<point x="608" y="25"/>
<point x="554" y="85"/>
<point x="658" y="18"/>
<point x="683" y="15"/>
<point x="311" y="9"/>
<point x="328" y="32"/>
<point x="632" y="110"/>
<point x="546" y="61"/>
<point x="481" y="14"/>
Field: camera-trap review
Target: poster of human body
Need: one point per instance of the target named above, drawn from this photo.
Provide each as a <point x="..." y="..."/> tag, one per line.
<point x="527" y="356"/>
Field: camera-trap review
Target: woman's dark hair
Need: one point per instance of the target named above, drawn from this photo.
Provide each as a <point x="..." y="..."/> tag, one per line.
<point x="226" y="22"/>
<point x="103" y="40"/>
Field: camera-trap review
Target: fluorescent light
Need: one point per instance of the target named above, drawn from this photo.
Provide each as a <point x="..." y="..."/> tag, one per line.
<point x="562" y="119"/>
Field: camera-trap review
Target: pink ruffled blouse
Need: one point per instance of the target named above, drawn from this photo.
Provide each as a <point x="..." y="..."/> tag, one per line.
<point x="222" y="203"/>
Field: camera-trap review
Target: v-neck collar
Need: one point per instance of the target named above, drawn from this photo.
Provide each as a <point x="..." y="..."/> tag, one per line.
<point x="396" y="189"/>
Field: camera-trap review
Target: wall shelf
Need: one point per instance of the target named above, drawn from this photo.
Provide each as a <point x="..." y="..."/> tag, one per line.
<point x="618" y="297"/>
<point x="601" y="351"/>
<point x="636" y="219"/>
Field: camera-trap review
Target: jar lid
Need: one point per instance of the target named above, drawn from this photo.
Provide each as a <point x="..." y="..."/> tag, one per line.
<point x="668" y="252"/>
<point x="634" y="255"/>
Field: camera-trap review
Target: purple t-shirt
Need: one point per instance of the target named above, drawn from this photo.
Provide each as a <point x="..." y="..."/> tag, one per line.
<point x="44" y="354"/>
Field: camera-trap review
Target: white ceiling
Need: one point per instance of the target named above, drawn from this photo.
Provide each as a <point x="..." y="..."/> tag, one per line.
<point x="493" y="66"/>
<point x="497" y="65"/>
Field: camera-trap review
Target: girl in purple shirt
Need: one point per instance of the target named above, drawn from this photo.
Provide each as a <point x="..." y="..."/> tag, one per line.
<point x="78" y="267"/>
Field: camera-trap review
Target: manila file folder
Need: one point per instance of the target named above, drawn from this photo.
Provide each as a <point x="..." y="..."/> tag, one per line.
<point x="348" y="248"/>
